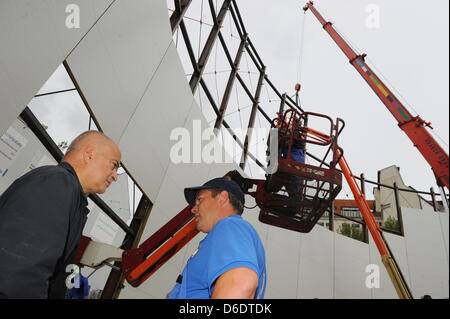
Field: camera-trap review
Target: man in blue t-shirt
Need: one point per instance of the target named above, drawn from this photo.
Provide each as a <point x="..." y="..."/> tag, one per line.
<point x="230" y="260"/>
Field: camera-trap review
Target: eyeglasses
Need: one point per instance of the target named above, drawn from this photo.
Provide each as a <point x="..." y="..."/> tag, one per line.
<point x="115" y="165"/>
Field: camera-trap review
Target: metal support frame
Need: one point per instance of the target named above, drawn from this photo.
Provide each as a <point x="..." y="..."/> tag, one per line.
<point x="358" y="221"/>
<point x="365" y="233"/>
<point x="433" y="199"/>
<point x="395" y="188"/>
<point x="399" y="209"/>
<point x="289" y="101"/>
<point x="331" y="218"/>
<point x="181" y="7"/>
<point x="363" y="184"/>
<point x="251" y="121"/>
<point x="36" y="127"/>
<point x="55" y="92"/>
<point x="218" y="21"/>
<point x="376" y="183"/>
<point x="230" y="83"/>
<point x="444" y="198"/>
<point x="282" y="103"/>
<point x="116" y="278"/>
<point x="199" y="66"/>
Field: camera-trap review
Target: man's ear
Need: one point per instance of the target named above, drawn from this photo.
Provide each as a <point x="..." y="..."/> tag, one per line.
<point x="224" y="198"/>
<point x="88" y="154"/>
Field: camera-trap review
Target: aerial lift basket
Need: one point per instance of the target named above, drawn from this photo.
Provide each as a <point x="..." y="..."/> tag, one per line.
<point x="297" y="194"/>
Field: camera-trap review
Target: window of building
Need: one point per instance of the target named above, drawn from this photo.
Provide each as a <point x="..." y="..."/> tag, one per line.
<point x="351" y="212"/>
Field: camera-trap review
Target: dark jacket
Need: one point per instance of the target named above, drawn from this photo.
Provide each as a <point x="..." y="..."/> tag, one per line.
<point x="42" y="216"/>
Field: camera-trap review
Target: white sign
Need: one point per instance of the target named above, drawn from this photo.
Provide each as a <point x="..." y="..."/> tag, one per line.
<point x="11" y="144"/>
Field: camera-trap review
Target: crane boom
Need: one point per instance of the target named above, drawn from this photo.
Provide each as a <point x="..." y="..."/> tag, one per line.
<point x="413" y="126"/>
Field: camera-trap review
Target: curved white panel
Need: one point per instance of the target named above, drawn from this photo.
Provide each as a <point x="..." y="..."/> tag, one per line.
<point x="145" y="143"/>
<point x="34" y="40"/>
<point x="116" y="62"/>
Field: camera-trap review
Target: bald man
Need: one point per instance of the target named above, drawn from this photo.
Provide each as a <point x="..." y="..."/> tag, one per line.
<point x="43" y="213"/>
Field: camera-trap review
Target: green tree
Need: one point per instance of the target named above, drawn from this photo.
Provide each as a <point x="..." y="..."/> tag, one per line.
<point x="63" y="145"/>
<point x="391" y="223"/>
<point x="352" y="231"/>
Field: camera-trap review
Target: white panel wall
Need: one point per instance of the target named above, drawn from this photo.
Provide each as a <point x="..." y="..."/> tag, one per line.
<point x="316" y="271"/>
<point x="145" y="143"/>
<point x="350" y="260"/>
<point x="116" y="62"/>
<point x="34" y="40"/>
<point x="443" y="219"/>
<point x="426" y="252"/>
<point x="282" y="259"/>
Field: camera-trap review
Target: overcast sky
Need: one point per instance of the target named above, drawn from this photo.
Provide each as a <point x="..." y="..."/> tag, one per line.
<point x="409" y="49"/>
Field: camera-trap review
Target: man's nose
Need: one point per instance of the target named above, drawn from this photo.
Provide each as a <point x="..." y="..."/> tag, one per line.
<point x="114" y="175"/>
<point x="194" y="209"/>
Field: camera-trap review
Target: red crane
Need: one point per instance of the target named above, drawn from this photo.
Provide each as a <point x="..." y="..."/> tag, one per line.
<point x="413" y="126"/>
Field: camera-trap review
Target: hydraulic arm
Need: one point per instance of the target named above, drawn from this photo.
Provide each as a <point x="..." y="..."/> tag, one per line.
<point x="140" y="263"/>
<point x="388" y="260"/>
<point x="413" y="126"/>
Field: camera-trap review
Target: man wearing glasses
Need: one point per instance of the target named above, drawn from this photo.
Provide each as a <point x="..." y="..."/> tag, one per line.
<point x="43" y="213"/>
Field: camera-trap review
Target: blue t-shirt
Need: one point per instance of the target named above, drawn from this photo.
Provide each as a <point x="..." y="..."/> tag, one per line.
<point x="232" y="243"/>
<point x="296" y="153"/>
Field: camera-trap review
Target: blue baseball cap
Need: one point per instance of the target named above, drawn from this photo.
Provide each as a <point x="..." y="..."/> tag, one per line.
<point x="219" y="183"/>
